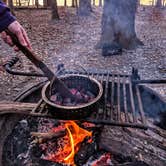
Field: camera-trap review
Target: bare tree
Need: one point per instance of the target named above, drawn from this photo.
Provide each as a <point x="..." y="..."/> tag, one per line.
<point x="32" y="2"/>
<point x="65" y="3"/>
<point x="49" y="2"/>
<point x="159" y="3"/>
<point x="118" y="26"/>
<point x="152" y="2"/>
<point x="37" y="3"/>
<point x="45" y="4"/>
<point x="73" y="3"/>
<point x="100" y="2"/>
<point x="10" y="4"/>
<point x="76" y="3"/>
<point x="94" y="2"/>
<point x="84" y="8"/>
<point x="54" y="9"/>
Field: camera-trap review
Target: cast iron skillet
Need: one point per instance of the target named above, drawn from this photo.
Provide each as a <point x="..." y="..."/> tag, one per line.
<point x="78" y="111"/>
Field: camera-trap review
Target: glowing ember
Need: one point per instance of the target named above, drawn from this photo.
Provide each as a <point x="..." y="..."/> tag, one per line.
<point x="104" y="160"/>
<point x="75" y="135"/>
<point x="82" y="96"/>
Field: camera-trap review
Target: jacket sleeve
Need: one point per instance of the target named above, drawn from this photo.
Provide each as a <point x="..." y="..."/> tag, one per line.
<point x="6" y="18"/>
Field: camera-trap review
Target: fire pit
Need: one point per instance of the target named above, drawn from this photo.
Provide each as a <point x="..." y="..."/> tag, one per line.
<point x="124" y="102"/>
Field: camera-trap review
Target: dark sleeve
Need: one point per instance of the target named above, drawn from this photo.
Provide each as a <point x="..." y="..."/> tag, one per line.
<point x="6" y="18"/>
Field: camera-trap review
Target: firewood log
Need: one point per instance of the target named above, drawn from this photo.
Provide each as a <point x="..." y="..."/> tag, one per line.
<point x="43" y="137"/>
<point x="7" y="107"/>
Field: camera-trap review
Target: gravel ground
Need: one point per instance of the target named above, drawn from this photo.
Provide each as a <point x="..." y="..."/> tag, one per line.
<point x="72" y="41"/>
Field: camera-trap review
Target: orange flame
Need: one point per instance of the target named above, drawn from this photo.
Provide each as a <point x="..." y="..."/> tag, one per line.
<point x="75" y="135"/>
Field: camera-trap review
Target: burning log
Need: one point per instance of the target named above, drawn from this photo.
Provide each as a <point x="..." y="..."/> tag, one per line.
<point x="43" y="137"/>
<point x="16" y="107"/>
<point x="87" y="149"/>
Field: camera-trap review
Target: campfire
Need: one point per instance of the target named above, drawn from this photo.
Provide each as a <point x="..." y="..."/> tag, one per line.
<point x="68" y="145"/>
<point x="48" y="140"/>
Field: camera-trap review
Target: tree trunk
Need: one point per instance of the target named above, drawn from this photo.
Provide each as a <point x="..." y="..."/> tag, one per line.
<point x="37" y="3"/>
<point x="85" y="8"/>
<point x="100" y="2"/>
<point x="118" y="26"/>
<point x="152" y="2"/>
<point x="48" y="3"/>
<point x="65" y="3"/>
<point x="159" y="3"/>
<point x="76" y="1"/>
<point x="32" y="2"/>
<point x="73" y="3"/>
<point x="28" y="2"/>
<point x="45" y="4"/>
<point x="10" y="4"/>
<point x="54" y="8"/>
<point x="94" y="2"/>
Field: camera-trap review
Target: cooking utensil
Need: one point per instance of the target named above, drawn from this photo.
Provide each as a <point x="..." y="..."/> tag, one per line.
<point x="79" y="111"/>
<point x="59" y="85"/>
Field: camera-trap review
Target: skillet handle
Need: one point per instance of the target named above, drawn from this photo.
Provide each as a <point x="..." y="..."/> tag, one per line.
<point x="62" y="88"/>
<point x="31" y="56"/>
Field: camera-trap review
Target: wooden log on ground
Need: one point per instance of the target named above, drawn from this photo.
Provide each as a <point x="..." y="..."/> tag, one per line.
<point x="16" y="107"/>
<point x="148" y="146"/>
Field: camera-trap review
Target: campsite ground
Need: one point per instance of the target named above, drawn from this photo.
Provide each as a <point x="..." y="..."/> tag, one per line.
<point x="72" y="41"/>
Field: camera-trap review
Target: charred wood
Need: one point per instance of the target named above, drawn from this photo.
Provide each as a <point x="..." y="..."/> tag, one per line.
<point x="42" y="137"/>
<point x="135" y="145"/>
<point x="41" y="162"/>
<point x="87" y="149"/>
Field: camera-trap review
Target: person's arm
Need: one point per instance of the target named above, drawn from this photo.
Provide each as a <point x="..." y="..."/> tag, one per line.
<point x="6" y="18"/>
<point x="8" y="21"/>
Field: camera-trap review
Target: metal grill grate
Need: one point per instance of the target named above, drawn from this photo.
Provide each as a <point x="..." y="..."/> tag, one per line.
<point x="121" y="103"/>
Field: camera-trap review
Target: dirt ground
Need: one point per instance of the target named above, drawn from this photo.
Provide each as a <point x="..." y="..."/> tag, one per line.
<point x="72" y="41"/>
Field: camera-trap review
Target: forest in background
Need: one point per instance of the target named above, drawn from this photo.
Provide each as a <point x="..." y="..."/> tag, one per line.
<point x="71" y="2"/>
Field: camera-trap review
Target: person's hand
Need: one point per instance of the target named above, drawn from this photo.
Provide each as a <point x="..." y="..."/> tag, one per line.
<point x="21" y="34"/>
